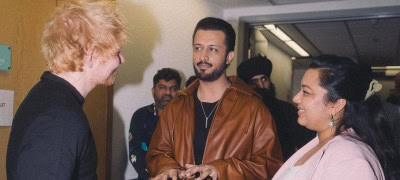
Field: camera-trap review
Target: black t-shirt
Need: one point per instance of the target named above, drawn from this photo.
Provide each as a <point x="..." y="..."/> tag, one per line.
<point x="201" y="111"/>
<point x="50" y="135"/>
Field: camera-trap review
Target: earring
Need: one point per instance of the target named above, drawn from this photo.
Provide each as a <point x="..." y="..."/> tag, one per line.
<point x="332" y="122"/>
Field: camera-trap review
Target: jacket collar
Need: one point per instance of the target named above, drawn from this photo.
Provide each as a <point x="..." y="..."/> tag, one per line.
<point x="151" y="109"/>
<point x="237" y="85"/>
<point x="345" y="135"/>
<point x="48" y="76"/>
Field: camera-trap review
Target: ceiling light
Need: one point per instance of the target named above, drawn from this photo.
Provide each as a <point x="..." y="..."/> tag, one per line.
<point x="387" y="70"/>
<point x="269" y="26"/>
<point x="280" y="34"/>
<point x="277" y="32"/>
<point x="385" y="67"/>
<point x="297" y="48"/>
<point x="285" y="38"/>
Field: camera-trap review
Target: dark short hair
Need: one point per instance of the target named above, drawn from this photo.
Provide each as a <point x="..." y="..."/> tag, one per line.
<point x="215" y="24"/>
<point x="190" y="80"/>
<point x="254" y="66"/>
<point x="167" y="74"/>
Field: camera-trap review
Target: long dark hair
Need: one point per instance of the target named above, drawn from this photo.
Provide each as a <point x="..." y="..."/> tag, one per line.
<point x="347" y="78"/>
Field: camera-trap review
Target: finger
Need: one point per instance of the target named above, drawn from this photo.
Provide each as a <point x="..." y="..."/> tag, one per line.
<point x="190" y="165"/>
<point x="164" y="177"/>
<point x="204" y="173"/>
<point x="156" y="178"/>
<point x="173" y="174"/>
<point x="182" y="174"/>
<point x="192" y="171"/>
<point x="214" y="175"/>
<point x="189" y="170"/>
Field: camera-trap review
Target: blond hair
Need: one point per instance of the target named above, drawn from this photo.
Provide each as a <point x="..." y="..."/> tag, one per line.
<point x="77" y="26"/>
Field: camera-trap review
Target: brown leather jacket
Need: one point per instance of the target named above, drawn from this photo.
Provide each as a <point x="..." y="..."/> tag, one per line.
<point x="241" y="144"/>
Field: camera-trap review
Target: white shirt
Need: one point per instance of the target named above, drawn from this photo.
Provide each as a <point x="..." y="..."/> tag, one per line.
<point x="290" y="173"/>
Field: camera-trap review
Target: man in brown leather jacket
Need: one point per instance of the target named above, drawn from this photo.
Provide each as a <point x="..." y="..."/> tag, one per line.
<point x="217" y="127"/>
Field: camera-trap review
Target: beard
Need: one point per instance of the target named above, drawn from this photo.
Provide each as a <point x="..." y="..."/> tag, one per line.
<point x="210" y="77"/>
<point x="105" y="82"/>
<point x="268" y="93"/>
<point x="110" y="80"/>
<point x="162" y="101"/>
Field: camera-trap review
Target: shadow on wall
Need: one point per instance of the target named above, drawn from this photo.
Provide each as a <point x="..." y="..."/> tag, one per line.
<point x="144" y="33"/>
<point x="183" y="79"/>
<point x="121" y="158"/>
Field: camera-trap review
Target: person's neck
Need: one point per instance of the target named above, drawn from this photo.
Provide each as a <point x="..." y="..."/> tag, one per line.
<point x="79" y="81"/>
<point x="326" y="135"/>
<point x="157" y="109"/>
<point x="213" y="91"/>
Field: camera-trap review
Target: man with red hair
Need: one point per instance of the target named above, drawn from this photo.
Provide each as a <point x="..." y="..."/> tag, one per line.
<point x="50" y="135"/>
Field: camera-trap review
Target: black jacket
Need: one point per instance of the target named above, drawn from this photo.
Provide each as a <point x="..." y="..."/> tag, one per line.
<point x="142" y="126"/>
<point x="292" y="136"/>
<point x="392" y="120"/>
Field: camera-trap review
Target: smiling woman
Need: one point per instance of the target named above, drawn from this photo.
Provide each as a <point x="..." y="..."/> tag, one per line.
<point x="311" y="103"/>
<point x="350" y="143"/>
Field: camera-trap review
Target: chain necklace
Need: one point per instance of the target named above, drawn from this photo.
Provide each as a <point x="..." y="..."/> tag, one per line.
<point x="204" y="112"/>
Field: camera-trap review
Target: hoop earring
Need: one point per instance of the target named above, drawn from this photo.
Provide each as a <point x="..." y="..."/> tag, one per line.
<point x="332" y="122"/>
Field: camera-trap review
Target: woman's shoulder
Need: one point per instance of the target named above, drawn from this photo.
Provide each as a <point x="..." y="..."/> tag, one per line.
<point x="352" y="157"/>
<point x="346" y="145"/>
<point x="345" y="148"/>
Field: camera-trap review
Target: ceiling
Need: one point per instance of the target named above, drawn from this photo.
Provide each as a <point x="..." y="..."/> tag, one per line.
<point x="373" y="40"/>
<point x="226" y="4"/>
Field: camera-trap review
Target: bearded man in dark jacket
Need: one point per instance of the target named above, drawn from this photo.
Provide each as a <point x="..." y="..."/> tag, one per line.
<point x="292" y="136"/>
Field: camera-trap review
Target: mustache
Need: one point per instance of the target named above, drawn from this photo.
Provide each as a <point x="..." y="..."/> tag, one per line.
<point x="166" y="96"/>
<point x="203" y="62"/>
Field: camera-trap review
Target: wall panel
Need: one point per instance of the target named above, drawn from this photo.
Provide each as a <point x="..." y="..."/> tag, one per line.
<point x="21" y="23"/>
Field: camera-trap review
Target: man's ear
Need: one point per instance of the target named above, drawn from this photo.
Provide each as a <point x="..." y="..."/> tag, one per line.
<point x="152" y="91"/>
<point x="89" y="57"/>
<point x="229" y="58"/>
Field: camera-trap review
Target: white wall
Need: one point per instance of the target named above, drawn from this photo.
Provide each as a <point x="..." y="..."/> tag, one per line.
<point x="281" y="74"/>
<point x="160" y="36"/>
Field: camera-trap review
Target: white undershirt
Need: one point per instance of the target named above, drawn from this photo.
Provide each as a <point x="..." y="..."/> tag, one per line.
<point x="290" y="173"/>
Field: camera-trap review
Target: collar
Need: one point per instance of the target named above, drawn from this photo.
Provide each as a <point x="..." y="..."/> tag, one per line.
<point x="152" y="109"/>
<point x="48" y="76"/>
<point x="236" y="85"/>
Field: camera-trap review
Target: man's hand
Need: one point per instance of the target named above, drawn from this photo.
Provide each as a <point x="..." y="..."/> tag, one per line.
<point x="170" y="173"/>
<point x="204" y="170"/>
